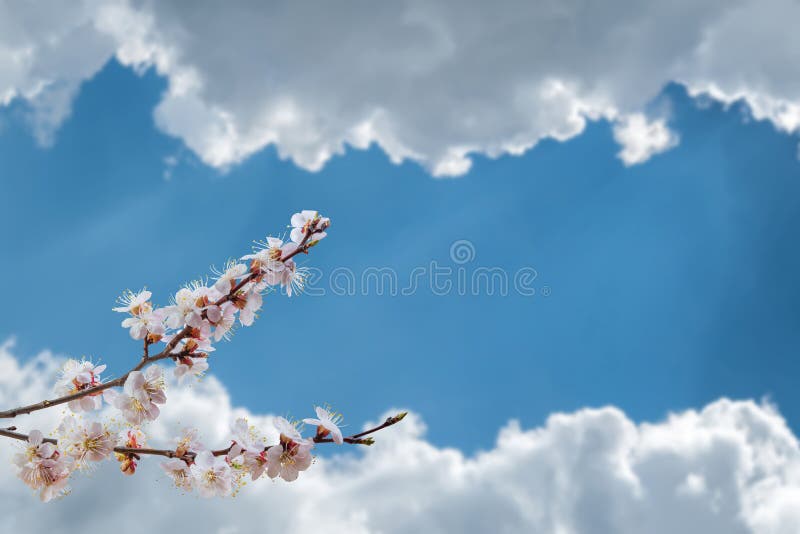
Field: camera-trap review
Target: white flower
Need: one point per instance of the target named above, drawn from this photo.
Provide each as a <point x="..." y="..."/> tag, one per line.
<point x="149" y="322"/>
<point x="287" y="459"/>
<point x="188" y="305"/>
<point x="327" y="423"/>
<point x="141" y="393"/>
<point x="252" y="303"/>
<point x="242" y="435"/>
<point x="77" y="376"/>
<point x="287" y="430"/>
<point x="190" y="366"/>
<point x="189" y="442"/>
<point x="266" y="254"/>
<point x="43" y="468"/>
<point x="179" y="472"/>
<point x="243" y="439"/>
<point x="134" y="303"/>
<point x="85" y="444"/>
<point x="227" y="279"/>
<point x="293" y="278"/>
<point x="308" y="221"/>
<point x="212" y="476"/>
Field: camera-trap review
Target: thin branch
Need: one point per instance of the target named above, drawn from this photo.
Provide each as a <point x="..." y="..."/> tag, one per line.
<point x="22" y="437"/>
<point x="355" y="439"/>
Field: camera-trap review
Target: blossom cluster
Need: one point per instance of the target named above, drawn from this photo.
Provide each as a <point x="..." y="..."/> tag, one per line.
<point x="201" y="314"/>
<point x="46" y="467"/>
<point x="220" y="473"/>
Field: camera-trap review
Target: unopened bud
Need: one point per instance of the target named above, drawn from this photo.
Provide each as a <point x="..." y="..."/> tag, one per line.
<point x="128" y="466"/>
<point x="397" y="418"/>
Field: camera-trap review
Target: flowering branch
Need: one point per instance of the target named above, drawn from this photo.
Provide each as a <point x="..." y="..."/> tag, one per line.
<point x="94" y="390"/>
<point x="355" y="439"/>
<point x="199" y="316"/>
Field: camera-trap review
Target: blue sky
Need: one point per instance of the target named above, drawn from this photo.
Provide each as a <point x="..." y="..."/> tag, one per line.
<point x="672" y="283"/>
<point x="641" y="159"/>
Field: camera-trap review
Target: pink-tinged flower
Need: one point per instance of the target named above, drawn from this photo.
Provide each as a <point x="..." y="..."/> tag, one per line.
<point x="146" y="323"/>
<point x="58" y="484"/>
<point x="255" y="463"/>
<point x="85" y="444"/>
<point x="179" y="472"/>
<point x="77" y="376"/>
<point x="154" y="384"/>
<point x="212" y="476"/>
<point x="36" y="450"/>
<point x="227" y="279"/>
<point x="223" y="320"/>
<point x="308" y="221"/>
<point x="134" y="303"/>
<point x="246" y="451"/>
<point x="288" y="458"/>
<point x="327" y="423"/>
<point x="188" y="366"/>
<point x="42" y="467"/>
<point x="140" y="396"/>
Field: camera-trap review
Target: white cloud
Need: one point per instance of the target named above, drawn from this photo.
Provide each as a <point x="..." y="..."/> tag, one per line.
<point x="429" y="81"/>
<point x="47" y="49"/>
<point x="732" y="467"/>
<point x="641" y="138"/>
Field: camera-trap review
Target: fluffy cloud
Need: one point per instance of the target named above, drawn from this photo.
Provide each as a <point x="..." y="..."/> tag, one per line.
<point x="46" y="51"/>
<point x="428" y="81"/>
<point x="640" y="138"/>
<point x="733" y="467"/>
